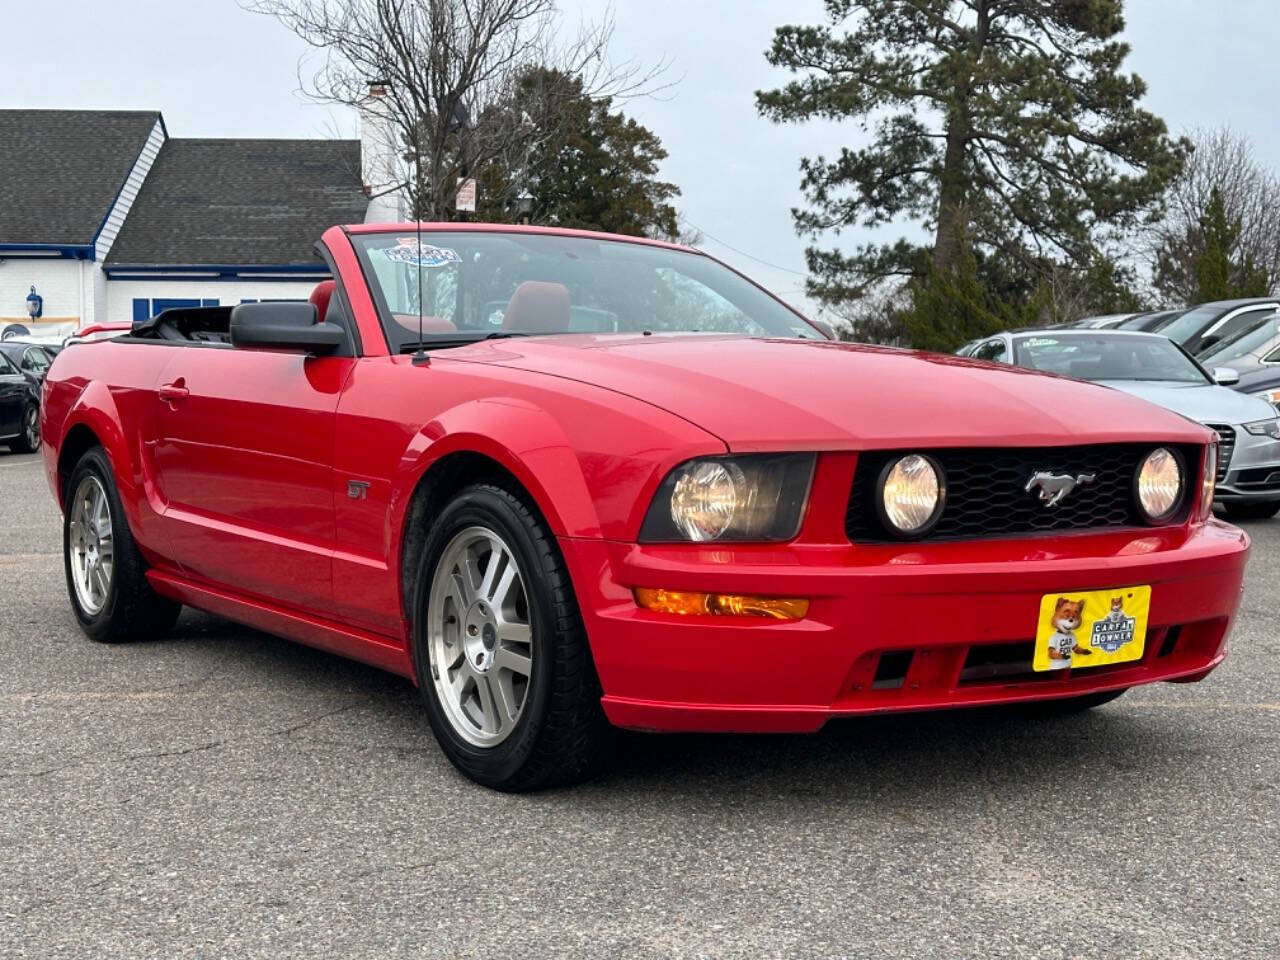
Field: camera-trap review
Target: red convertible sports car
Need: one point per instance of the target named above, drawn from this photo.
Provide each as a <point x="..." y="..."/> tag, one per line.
<point x="564" y="480"/>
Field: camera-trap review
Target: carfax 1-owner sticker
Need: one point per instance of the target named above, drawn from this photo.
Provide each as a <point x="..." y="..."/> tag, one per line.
<point x="1091" y="628"/>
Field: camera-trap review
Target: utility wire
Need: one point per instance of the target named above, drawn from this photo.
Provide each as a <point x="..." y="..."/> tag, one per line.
<point x="741" y="253"/>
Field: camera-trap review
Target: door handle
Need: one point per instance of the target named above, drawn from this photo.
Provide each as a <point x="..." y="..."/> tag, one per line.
<point x="173" y="392"/>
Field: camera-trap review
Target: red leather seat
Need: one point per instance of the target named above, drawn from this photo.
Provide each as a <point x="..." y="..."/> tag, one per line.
<point x="538" y="307"/>
<point x="320" y="297"/>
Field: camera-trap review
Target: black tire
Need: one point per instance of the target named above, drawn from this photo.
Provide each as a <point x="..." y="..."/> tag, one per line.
<point x="131" y="610"/>
<point x="1063" y="706"/>
<point x="559" y="733"/>
<point x="1252" y="511"/>
<point x="28" y="440"/>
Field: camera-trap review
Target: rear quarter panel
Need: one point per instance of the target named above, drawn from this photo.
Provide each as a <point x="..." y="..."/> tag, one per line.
<point x="107" y="388"/>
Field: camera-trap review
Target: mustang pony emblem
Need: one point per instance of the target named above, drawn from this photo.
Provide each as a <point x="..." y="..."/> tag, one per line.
<point x="1055" y="486"/>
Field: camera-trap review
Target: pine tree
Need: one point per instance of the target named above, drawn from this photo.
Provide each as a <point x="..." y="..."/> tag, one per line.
<point x="1217" y="276"/>
<point x="1000" y="126"/>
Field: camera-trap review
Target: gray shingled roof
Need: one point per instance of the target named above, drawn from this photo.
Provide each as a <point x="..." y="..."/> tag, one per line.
<point x="61" y="170"/>
<point x="241" y="202"/>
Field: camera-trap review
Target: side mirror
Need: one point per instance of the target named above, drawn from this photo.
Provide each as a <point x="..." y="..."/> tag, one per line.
<point x="826" y="329"/>
<point x="283" y="326"/>
<point x="1225" y="376"/>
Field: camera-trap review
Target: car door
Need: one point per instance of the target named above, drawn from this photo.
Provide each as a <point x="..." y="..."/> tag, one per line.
<point x="13" y="391"/>
<point x="35" y="361"/>
<point x="244" y="452"/>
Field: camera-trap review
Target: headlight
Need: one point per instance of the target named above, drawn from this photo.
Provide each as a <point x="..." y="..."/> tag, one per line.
<point x="1271" y="396"/>
<point x="1265" y="428"/>
<point x="1208" y="481"/>
<point x="912" y="493"/>
<point x="759" y="497"/>
<point x="1160" y="484"/>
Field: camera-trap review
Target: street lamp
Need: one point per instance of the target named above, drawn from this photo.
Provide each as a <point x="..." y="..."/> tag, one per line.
<point x="524" y="205"/>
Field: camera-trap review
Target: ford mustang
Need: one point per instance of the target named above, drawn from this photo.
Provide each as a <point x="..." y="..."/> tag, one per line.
<point x="563" y="481"/>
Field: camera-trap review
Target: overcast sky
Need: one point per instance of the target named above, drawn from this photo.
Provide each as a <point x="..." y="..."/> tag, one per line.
<point x="217" y="71"/>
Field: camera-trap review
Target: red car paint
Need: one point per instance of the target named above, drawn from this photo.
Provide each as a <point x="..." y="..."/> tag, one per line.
<point x="238" y="495"/>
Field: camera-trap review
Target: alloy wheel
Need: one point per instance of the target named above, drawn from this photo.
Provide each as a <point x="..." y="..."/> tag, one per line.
<point x="91" y="545"/>
<point x="479" y="636"/>
<point x="31" y="429"/>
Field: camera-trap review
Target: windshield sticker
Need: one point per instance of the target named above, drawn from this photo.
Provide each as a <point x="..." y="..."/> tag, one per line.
<point x="408" y="250"/>
<point x="1041" y="342"/>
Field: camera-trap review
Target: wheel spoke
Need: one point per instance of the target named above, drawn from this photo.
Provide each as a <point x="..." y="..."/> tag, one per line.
<point x="496" y="556"/>
<point x="100" y="582"/>
<point x="519" y="633"/>
<point x="491" y="720"/>
<point x="505" y="698"/>
<point x="504" y="658"/>
<point x="504" y="586"/>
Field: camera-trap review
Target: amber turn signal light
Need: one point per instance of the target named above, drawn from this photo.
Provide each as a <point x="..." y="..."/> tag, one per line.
<point x="720" y="604"/>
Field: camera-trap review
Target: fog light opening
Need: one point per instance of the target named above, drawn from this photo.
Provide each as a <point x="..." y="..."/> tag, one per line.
<point x="684" y="603"/>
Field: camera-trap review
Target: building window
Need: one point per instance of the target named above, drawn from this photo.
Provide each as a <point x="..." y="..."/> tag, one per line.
<point x="145" y="309"/>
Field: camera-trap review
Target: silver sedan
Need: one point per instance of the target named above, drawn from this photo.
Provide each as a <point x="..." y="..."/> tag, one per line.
<point x="1152" y="367"/>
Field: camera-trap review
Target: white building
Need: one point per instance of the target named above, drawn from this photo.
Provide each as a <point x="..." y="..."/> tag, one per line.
<point x="110" y="219"/>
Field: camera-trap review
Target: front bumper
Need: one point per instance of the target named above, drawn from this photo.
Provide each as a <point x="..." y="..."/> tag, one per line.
<point x="957" y="621"/>
<point x="1253" y="473"/>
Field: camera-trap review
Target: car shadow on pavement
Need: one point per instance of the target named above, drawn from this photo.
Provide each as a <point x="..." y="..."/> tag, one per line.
<point x="872" y="759"/>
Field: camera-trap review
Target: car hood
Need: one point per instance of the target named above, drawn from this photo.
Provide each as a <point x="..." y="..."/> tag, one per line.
<point x="761" y="394"/>
<point x="1252" y="381"/>
<point x="1205" y="403"/>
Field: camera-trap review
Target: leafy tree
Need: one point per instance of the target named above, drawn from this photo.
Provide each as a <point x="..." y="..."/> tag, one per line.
<point x="1217" y="276"/>
<point x="1223" y="163"/>
<point x="597" y="170"/>
<point x="443" y="69"/>
<point x="1003" y="127"/>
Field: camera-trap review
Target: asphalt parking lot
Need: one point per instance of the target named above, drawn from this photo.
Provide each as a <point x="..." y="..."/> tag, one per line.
<point x="226" y="793"/>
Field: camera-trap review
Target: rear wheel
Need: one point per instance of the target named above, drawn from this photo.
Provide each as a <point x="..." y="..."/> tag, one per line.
<point x="29" y="439"/>
<point x="106" y="575"/>
<point x="499" y="647"/>
<point x="1252" y="511"/>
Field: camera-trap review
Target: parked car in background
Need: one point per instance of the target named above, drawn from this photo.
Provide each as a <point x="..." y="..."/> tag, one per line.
<point x="561" y="478"/>
<point x="31" y="358"/>
<point x="19" y="407"/>
<point x="1248" y="351"/>
<point x="1154" y="320"/>
<point x="1104" y="322"/>
<point x="1147" y="365"/>
<point x="1211" y="323"/>
<point x="1263" y="383"/>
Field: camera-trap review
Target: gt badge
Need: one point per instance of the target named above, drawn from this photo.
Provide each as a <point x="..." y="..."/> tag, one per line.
<point x="356" y="489"/>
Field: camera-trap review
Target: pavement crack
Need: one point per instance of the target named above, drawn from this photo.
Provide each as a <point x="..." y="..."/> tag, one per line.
<point x="179" y="751"/>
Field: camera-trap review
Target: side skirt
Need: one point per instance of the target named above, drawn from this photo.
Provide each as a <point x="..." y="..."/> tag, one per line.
<point x="306" y="629"/>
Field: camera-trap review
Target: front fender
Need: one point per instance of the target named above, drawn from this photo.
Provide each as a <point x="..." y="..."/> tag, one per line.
<point x="520" y="436"/>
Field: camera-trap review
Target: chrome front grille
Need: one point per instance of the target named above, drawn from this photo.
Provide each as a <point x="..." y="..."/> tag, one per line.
<point x="1226" y="444"/>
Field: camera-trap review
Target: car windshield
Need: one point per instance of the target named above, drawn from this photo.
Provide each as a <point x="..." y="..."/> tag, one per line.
<point x="1192" y="322"/>
<point x="1245" y="342"/>
<point x="473" y="285"/>
<point x="1104" y="356"/>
